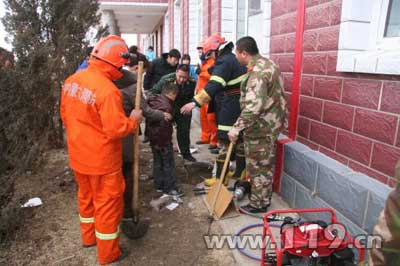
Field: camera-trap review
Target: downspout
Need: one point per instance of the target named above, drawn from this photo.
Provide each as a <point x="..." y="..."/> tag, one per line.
<point x="295" y="98"/>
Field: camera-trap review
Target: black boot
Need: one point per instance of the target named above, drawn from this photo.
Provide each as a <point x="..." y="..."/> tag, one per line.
<point x="189" y="157"/>
<point x="240" y="167"/>
<point x="220" y="165"/>
<point x="251" y="209"/>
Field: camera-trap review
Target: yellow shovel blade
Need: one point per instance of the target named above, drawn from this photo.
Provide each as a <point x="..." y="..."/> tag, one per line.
<point x="224" y="199"/>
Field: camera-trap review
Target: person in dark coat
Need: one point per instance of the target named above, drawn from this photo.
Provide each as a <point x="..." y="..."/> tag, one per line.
<point x="222" y="93"/>
<point x="160" y="67"/>
<point x="127" y="85"/>
<point x="160" y="136"/>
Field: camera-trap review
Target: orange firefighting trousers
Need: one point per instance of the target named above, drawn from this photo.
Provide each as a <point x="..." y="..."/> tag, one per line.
<point x="208" y="122"/>
<point x="100" y="211"/>
<point x="208" y="126"/>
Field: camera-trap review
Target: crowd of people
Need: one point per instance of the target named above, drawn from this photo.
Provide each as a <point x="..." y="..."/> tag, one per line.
<point x="241" y="101"/>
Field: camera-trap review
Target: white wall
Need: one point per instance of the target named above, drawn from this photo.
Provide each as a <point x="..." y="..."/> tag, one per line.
<point x="177" y="26"/>
<point x="165" y="36"/>
<point x="228" y="19"/>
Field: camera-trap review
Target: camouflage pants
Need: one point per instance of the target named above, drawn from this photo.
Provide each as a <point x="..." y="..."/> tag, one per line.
<point x="223" y="145"/>
<point x="260" y="156"/>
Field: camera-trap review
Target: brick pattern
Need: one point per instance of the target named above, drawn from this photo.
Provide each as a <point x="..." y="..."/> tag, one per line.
<point x="206" y="18"/>
<point x="216" y="10"/>
<point x="353" y="118"/>
<point x="185" y="27"/>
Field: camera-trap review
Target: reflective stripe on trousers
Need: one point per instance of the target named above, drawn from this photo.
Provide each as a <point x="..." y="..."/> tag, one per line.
<point x="100" y="208"/>
<point x="224" y="127"/>
<point x="107" y="236"/>
<point x="86" y="220"/>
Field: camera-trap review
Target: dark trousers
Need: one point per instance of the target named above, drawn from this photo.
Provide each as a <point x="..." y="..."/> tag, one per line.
<point x="183" y="132"/>
<point x="127" y="170"/>
<point x="164" y="168"/>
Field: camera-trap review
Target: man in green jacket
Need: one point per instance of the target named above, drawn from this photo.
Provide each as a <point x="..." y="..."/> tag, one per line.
<point x="186" y="92"/>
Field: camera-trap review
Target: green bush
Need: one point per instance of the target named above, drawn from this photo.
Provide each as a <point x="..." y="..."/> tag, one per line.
<point x="48" y="39"/>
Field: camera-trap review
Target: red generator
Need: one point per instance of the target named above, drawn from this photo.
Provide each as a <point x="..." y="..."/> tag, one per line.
<point x="308" y="243"/>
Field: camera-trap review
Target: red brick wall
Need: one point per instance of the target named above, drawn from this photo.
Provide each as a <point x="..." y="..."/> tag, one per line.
<point x="184" y="26"/>
<point x="211" y="17"/>
<point x="351" y="117"/>
<point x="206" y="18"/>
<point x="216" y="17"/>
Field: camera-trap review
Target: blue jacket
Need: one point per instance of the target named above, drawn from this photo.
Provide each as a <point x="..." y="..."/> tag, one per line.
<point x="83" y="65"/>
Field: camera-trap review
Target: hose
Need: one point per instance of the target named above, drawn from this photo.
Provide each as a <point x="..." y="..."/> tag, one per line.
<point x="246" y="228"/>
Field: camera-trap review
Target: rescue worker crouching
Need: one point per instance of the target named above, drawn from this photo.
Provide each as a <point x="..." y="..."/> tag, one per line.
<point x="186" y="87"/>
<point x="222" y="93"/>
<point x="91" y="110"/>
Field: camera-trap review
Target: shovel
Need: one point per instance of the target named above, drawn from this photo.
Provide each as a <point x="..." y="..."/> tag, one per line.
<point x="133" y="228"/>
<point x="219" y="197"/>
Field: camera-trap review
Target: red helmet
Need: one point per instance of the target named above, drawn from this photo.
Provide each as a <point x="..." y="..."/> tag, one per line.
<point x="113" y="50"/>
<point x="212" y="43"/>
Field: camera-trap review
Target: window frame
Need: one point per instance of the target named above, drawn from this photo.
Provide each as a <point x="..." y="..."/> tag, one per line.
<point x="362" y="47"/>
<point x="382" y="42"/>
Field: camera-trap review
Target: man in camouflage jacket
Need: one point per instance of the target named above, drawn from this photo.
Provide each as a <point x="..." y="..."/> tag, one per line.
<point x="386" y="250"/>
<point x="263" y="117"/>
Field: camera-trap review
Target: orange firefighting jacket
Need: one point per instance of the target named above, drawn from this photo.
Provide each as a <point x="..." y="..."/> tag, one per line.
<point x="204" y="75"/>
<point x="91" y="110"/>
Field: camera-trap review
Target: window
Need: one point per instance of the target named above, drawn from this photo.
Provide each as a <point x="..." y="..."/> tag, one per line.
<point x="369" y="39"/>
<point x="252" y="21"/>
<point x="392" y="25"/>
<point x="241" y="19"/>
<point x="247" y="17"/>
<point x="254" y="7"/>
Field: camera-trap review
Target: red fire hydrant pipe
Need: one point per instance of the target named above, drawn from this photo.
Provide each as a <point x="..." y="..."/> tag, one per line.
<point x="295" y="98"/>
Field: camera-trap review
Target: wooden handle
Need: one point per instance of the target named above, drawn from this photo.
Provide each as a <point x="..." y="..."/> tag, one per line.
<point x="222" y="177"/>
<point x="136" y="146"/>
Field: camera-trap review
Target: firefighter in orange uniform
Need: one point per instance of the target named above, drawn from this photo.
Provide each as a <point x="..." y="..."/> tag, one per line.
<point x="207" y="120"/>
<point x="91" y="110"/>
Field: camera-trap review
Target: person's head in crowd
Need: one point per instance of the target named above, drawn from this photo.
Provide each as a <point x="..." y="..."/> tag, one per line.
<point x="88" y="51"/>
<point x="182" y="74"/>
<point x="134" y="60"/>
<point x="199" y="50"/>
<point x="246" y="48"/>
<point x="214" y="45"/>
<point x="133" y="49"/>
<point x="170" y="90"/>
<point x="173" y="57"/>
<point x="185" y="59"/>
<point x="151" y="48"/>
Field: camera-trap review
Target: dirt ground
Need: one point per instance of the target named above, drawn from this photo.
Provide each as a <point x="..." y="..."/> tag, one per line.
<point x="50" y="235"/>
